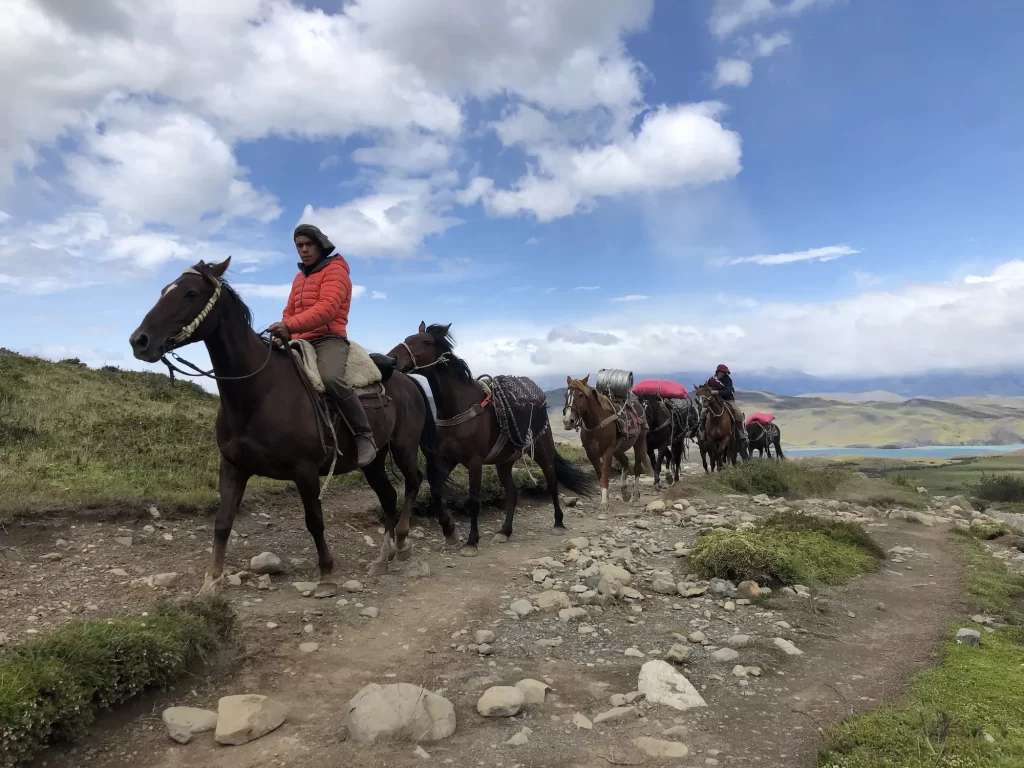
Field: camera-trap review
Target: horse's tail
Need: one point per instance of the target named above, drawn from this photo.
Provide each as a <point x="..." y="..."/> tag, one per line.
<point x="428" y="441"/>
<point x="573" y="478"/>
<point x="778" y="443"/>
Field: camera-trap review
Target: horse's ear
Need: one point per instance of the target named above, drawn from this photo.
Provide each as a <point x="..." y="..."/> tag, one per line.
<point x="446" y="328"/>
<point x="218" y="270"/>
<point x="568" y="380"/>
<point x="586" y="379"/>
<point x="423" y="327"/>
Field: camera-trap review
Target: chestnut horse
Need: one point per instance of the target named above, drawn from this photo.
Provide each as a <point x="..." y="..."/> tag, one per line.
<point x="270" y="419"/>
<point x="605" y="433"/>
<point x="719" y="429"/>
<point x="470" y="430"/>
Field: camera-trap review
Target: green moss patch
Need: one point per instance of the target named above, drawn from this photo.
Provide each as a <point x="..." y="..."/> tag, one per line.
<point x="52" y="688"/>
<point x="788" y="549"/>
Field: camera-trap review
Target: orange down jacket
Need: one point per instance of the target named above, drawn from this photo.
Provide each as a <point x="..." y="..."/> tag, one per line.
<point x="319" y="300"/>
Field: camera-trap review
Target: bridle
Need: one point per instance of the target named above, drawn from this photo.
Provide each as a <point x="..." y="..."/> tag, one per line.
<point x="181" y="338"/>
<point x="570" y="406"/>
<point x="443" y="358"/>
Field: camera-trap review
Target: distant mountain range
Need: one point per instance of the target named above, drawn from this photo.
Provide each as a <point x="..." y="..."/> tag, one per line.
<point x="938" y="384"/>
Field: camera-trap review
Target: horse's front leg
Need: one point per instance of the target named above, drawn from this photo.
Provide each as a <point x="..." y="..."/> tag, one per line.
<point x="308" y="484"/>
<point x="232" y="487"/>
<point x="476" y="472"/>
<point x="606" y="474"/>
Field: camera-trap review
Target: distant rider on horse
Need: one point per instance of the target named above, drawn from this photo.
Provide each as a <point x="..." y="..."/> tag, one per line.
<point x="721" y="382"/>
<point x="317" y="310"/>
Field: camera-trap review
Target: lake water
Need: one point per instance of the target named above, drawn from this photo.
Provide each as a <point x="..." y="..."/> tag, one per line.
<point x="926" y="452"/>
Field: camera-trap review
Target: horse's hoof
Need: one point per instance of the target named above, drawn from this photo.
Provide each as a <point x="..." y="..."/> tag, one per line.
<point x="558" y="530"/>
<point x="500" y="538"/>
<point x="378" y="568"/>
<point x="325" y="589"/>
<point x="468" y="551"/>
<point x="404" y="554"/>
<point x="452" y="540"/>
<point x="211" y="587"/>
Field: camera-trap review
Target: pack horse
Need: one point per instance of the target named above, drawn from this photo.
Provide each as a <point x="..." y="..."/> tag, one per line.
<point x="610" y="423"/>
<point x="490" y="420"/>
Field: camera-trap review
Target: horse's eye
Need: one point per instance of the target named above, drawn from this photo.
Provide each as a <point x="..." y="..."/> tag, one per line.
<point x="192" y="294"/>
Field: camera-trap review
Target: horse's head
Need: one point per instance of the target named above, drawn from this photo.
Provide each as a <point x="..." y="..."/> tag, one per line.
<point x="577" y="401"/>
<point x="429" y="347"/>
<point x="184" y="313"/>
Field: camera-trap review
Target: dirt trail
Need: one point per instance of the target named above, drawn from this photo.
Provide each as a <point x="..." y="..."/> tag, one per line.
<point x="850" y="662"/>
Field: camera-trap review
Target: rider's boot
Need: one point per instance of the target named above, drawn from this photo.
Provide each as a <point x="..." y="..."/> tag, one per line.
<point x="354" y="415"/>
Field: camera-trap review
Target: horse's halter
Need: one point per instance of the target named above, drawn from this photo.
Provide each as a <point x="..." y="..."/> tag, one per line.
<point x="186" y="333"/>
<point x="443" y="358"/>
<point x="570" y="407"/>
<point x="189" y="330"/>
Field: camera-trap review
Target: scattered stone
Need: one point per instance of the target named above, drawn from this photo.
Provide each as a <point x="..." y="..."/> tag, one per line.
<point x="324" y="591"/>
<point x="582" y="722"/>
<point x="540" y="575"/>
<point x="51" y="557"/>
<point x="738" y="641"/>
<point x="125" y="541"/>
<point x="678" y="653"/>
<point x="635" y="653"/>
<point x="166" y="579"/>
<point x="787" y="647"/>
<point x="677" y="732"/>
<point x="968" y="637"/>
<point x="484" y="636"/>
<point x="573" y="614"/>
<point x="748" y="590"/>
<point x="370" y="613"/>
<point x="522" y="608"/>
<point x="660" y="749"/>
<point x="570" y="501"/>
<point x="616" y="573"/>
<point x="352" y="586"/>
<point x="729" y="606"/>
<point x="664" y="587"/>
<point x="263" y="582"/>
<point x="552" y="600"/>
<point x="501" y="701"/>
<point x="534" y="691"/>
<point x="309" y="647"/>
<point x="119" y="572"/>
<point x="520" y="738"/>
<point x="657" y="505"/>
<point x="697" y="638"/>
<point x="880" y="606"/>
<point x="616" y="714"/>
<point x="662" y="684"/>
<point x="421" y="753"/>
<point x="266" y="563"/>
<point x="485" y="649"/>
<point x="183" y="722"/>
<point x="241" y="719"/>
<point x="579" y="542"/>
<point x="305" y="587"/>
<point x="399" y="712"/>
<point x="725" y="655"/>
<point x="553" y="642"/>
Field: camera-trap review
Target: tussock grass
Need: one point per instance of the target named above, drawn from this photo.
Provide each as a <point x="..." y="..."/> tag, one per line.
<point x="52" y="688"/>
<point x="947" y="713"/>
<point x="1005" y="488"/>
<point x="788" y="549"/>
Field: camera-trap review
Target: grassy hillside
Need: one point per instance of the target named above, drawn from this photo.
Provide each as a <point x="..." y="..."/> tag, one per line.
<point x="70" y="435"/>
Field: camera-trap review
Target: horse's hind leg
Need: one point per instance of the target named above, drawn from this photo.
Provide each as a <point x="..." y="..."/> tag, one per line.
<point x="377" y="477"/>
<point x="232" y="488"/>
<point x="408" y="465"/>
<point x="508" y="482"/>
<point x="308" y="484"/>
<point x="623" y="460"/>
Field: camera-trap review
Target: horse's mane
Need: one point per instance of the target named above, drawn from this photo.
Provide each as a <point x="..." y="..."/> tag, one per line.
<point x="244" y="313"/>
<point x="446" y="343"/>
<point x="602" y="399"/>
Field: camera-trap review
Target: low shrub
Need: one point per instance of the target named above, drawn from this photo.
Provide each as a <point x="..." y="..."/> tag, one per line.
<point x="792" y="479"/>
<point x="52" y="688"/>
<point x="787" y="549"/>
<point x="999" y="488"/>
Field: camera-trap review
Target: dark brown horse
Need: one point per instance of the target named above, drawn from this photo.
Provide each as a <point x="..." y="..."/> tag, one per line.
<point x="605" y="432"/>
<point x="719" y="429"/>
<point x="269" y="423"/>
<point x="762" y="437"/>
<point x="470" y="430"/>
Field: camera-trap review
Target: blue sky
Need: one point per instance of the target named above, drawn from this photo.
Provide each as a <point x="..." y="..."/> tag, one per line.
<point x="798" y="184"/>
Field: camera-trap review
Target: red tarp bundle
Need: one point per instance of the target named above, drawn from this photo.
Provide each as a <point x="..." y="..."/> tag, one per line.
<point x="663" y="387"/>
<point x="763" y="418"/>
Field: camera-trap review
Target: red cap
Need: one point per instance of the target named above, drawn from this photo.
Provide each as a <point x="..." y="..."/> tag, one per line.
<point x="723" y="369"/>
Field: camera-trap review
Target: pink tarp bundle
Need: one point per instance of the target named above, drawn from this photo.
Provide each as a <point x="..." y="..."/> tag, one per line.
<point x="761" y="418"/>
<point x="663" y="387"/>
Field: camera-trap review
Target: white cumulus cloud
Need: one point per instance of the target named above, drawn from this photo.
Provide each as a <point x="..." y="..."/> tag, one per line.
<point x="734" y="72"/>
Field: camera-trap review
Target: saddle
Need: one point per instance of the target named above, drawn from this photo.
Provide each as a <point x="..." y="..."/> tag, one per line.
<point x="365" y="373"/>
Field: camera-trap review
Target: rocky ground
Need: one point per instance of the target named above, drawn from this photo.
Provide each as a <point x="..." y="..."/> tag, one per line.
<point x="596" y="648"/>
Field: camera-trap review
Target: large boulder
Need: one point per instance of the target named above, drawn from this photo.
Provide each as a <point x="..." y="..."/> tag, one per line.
<point x="399" y="712"/>
<point x="241" y="719"/>
<point x="662" y="684"/>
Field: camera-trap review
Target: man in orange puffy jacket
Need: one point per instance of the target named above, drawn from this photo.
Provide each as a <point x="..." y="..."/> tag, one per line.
<point x="317" y="310"/>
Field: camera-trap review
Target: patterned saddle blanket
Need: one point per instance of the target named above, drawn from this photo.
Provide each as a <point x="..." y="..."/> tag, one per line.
<point x="522" y="409"/>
